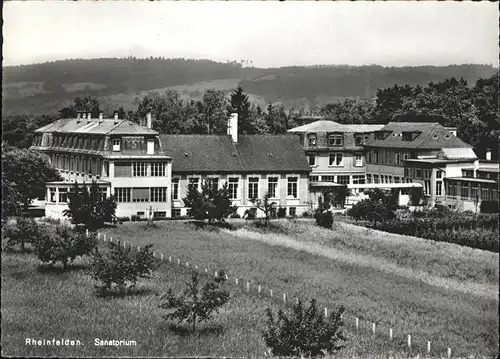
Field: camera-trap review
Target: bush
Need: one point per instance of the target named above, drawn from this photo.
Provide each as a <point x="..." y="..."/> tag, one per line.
<point x="489" y="206"/>
<point x="324" y="219"/>
<point x="63" y="246"/>
<point x="235" y="215"/>
<point x="306" y="214"/>
<point x="118" y="268"/>
<point x="250" y="213"/>
<point x="305" y="333"/>
<point x="194" y="305"/>
<point x="281" y="212"/>
<point x="26" y="231"/>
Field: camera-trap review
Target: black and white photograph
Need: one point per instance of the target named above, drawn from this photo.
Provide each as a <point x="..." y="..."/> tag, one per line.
<point x="250" y="179"/>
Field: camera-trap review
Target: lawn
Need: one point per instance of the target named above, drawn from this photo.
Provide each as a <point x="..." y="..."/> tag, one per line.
<point x="327" y="267"/>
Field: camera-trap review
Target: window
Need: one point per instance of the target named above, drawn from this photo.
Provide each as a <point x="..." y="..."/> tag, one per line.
<point x="158" y="194"/>
<point x="312" y="140"/>
<point x="407" y="136"/>
<point x="368" y="178"/>
<point x="386" y="156"/>
<point x="375" y="156"/>
<point x="159" y="215"/>
<point x="439" y="174"/>
<point x="195" y="181"/>
<point x="375" y="179"/>
<point x="52" y="191"/>
<point x="406" y="155"/>
<point x="176" y="212"/>
<point x="312" y="159"/>
<point x="369" y="156"/>
<point x="122" y="194"/>
<point x="427" y="188"/>
<point x="158" y="169"/>
<point x="427" y="174"/>
<point x="139" y="169"/>
<point x="116" y="145"/>
<point x="328" y="178"/>
<point x="233" y="187"/>
<point x="439" y="188"/>
<point x="396" y="179"/>
<point x="313" y="178"/>
<point x="140" y="194"/>
<point x="272" y="186"/>
<point x="253" y="187"/>
<point x="292" y="211"/>
<point x="292" y="187"/>
<point x="358" y="159"/>
<point x="418" y="173"/>
<point x="358" y="140"/>
<point x="150" y="147"/>
<point x="336" y="159"/>
<point x="98" y="167"/>
<point x="464" y="193"/>
<point x="335" y="140"/>
<point x="63" y="195"/>
<point x="358" y="179"/>
<point x="485" y="193"/>
<point x="343" y="179"/>
<point x="397" y="158"/>
<point x="175" y="188"/>
<point x="379" y="135"/>
<point x="474" y="192"/>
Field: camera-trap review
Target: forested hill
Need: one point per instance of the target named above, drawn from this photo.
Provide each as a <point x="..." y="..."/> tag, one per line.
<point x="46" y="87"/>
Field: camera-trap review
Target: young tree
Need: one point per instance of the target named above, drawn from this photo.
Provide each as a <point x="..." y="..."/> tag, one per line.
<point x="194" y="304"/>
<point x="265" y="205"/>
<point x="212" y="203"/>
<point x="213" y="111"/>
<point x="304" y="333"/>
<point x="240" y="104"/>
<point x="91" y="209"/>
<point x="24" y="175"/>
<point x="86" y="105"/>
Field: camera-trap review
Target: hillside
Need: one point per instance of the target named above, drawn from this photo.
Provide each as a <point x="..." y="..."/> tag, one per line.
<point x="45" y="88"/>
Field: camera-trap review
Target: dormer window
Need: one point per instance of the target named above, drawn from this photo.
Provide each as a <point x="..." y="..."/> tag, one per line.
<point x="312" y="140"/>
<point x="407" y="136"/>
<point x="379" y="135"/>
<point x="150" y="147"/>
<point x="116" y="145"/>
<point x="335" y="140"/>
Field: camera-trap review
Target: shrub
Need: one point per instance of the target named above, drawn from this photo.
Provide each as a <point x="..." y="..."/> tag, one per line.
<point x="119" y="268"/>
<point x="235" y="215"/>
<point x="194" y="305"/>
<point x="416" y="196"/>
<point x="306" y="214"/>
<point x="26" y="231"/>
<point x="489" y="206"/>
<point x="281" y="212"/>
<point x="63" y="246"/>
<point x="250" y="213"/>
<point x="324" y="218"/>
<point x="305" y="333"/>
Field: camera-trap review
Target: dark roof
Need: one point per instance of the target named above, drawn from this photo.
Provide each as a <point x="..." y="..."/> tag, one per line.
<point x="252" y="153"/>
<point x="432" y="136"/>
<point x="95" y="126"/>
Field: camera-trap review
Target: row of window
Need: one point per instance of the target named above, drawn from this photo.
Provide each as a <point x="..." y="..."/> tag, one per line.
<point x="470" y="191"/>
<point x="341" y="179"/>
<point x="335" y="159"/>
<point x="80" y="164"/>
<point x="388" y="157"/>
<point x="64" y="192"/>
<point x="420" y="173"/>
<point x="141" y="194"/>
<point x="80" y="142"/>
<point x="140" y="169"/>
<point x="252" y="187"/>
<point x="334" y="140"/>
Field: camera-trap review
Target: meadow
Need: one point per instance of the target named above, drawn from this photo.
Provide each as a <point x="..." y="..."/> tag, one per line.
<point x="348" y="266"/>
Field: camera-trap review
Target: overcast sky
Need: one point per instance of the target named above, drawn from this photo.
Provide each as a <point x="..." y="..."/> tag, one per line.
<point x="268" y="33"/>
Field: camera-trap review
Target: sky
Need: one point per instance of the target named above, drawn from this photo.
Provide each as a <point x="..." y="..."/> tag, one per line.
<point x="270" y="34"/>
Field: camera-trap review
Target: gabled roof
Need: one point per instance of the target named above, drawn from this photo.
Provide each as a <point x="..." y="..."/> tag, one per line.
<point x="457" y="153"/>
<point x="252" y="153"/>
<point x="332" y="126"/>
<point x="96" y="126"/>
<point x="431" y="136"/>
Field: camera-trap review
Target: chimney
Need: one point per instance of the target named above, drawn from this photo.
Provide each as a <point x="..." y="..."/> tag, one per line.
<point x="148" y="120"/>
<point x="78" y="115"/>
<point x="488" y="154"/>
<point x="232" y="126"/>
<point x="89" y="116"/>
<point x="116" y="117"/>
<point x="101" y="116"/>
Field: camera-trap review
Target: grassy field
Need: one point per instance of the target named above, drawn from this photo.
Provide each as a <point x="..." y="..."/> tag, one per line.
<point x="331" y="266"/>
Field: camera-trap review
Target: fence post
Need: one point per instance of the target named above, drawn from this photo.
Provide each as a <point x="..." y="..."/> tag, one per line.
<point x="284" y="298"/>
<point x="196" y="266"/>
<point x="373" y="328"/>
<point x="178" y="261"/>
<point x="161" y="256"/>
<point x="98" y="235"/>
<point x="390" y="333"/>
<point x="86" y="232"/>
<point x="259" y="289"/>
<point x="270" y="292"/>
<point x="227" y="277"/>
<point x="170" y="259"/>
<point x="124" y="244"/>
<point x="111" y="239"/>
<point x="206" y="270"/>
<point x="104" y="237"/>
<point x="236" y="281"/>
<point x="138" y="248"/>
<point x="248" y="286"/>
<point x="326" y="312"/>
<point x="449" y="353"/>
<point x="215" y="274"/>
<point x="357" y="323"/>
<point x="187" y="264"/>
<point x="429" y="348"/>
<point x="297" y="300"/>
<point x="409" y="342"/>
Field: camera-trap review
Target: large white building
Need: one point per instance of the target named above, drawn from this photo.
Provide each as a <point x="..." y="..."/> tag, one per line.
<point x="125" y="160"/>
